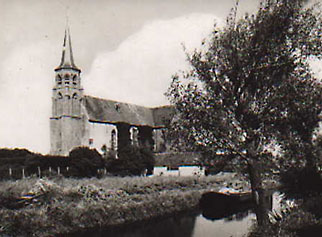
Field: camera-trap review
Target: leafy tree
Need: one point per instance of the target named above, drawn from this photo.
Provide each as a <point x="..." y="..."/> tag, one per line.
<point x="251" y="87"/>
<point x="132" y="160"/>
<point x="85" y="162"/>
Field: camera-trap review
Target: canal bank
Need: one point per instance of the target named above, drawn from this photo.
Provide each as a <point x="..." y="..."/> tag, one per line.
<point x="59" y="205"/>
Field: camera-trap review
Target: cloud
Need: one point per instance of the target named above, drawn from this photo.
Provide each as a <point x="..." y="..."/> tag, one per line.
<point x="139" y="70"/>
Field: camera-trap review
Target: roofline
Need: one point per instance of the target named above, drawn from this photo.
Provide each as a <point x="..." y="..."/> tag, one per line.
<point x="120" y="102"/>
<point x="117" y="122"/>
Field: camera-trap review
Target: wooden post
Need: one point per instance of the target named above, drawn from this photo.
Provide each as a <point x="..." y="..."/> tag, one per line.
<point x="39" y="172"/>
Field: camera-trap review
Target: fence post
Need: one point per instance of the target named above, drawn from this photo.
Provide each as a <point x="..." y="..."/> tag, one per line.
<point x="39" y="172"/>
<point x="49" y="169"/>
<point x="58" y="170"/>
<point x="10" y="172"/>
<point x="23" y="173"/>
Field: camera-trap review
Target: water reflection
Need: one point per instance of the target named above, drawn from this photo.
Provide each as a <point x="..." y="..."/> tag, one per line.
<point x="192" y="224"/>
<point x="177" y="225"/>
<point x="223" y="228"/>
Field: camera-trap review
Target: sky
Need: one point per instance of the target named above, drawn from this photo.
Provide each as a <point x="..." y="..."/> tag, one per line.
<point x="127" y="51"/>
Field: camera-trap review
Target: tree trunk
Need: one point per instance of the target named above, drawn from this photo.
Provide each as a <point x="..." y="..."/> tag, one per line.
<point x="258" y="193"/>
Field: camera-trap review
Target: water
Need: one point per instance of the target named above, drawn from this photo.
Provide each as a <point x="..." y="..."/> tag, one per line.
<point x="192" y="224"/>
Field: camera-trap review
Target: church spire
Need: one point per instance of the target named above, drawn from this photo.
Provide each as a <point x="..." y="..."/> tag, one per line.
<point x="67" y="59"/>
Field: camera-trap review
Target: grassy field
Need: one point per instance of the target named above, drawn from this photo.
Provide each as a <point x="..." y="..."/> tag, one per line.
<point x="45" y="207"/>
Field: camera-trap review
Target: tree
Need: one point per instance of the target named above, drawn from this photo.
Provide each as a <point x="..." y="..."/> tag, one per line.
<point x="85" y="162"/>
<point x="132" y="160"/>
<point x="240" y="95"/>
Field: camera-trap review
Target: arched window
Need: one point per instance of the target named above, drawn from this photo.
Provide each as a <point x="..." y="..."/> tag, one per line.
<point x="59" y="95"/>
<point x="75" y="96"/>
<point x="66" y="79"/>
<point x="134" y="133"/>
<point x="67" y="97"/>
<point x="113" y="140"/>
<point x="75" y="80"/>
<point x="59" y="80"/>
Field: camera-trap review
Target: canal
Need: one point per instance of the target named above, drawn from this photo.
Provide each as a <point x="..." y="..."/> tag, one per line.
<point x="191" y="224"/>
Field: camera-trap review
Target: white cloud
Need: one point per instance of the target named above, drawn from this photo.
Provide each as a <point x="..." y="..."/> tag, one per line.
<point x="139" y="70"/>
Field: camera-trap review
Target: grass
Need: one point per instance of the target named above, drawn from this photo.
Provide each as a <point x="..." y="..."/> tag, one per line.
<point x="62" y="205"/>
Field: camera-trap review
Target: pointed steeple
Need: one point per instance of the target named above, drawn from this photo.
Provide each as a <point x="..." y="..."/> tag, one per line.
<point x="67" y="59"/>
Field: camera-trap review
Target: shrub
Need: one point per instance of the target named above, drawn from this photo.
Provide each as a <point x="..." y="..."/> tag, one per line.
<point x="301" y="182"/>
<point x="131" y="160"/>
<point x="85" y="162"/>
<point x="9" y="153"/>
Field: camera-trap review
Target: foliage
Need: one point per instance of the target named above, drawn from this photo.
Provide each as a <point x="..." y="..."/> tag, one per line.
<point x="251" y="88"/>
<point x="10" y="153"/>
<point x="131" y="160"/>
<point x="240" y="92"/>
<point x="85" y="162"/>
<point x="301" y="182"/>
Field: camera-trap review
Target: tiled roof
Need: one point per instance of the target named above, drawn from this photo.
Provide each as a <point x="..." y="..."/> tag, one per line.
<point x="109" y="111"/>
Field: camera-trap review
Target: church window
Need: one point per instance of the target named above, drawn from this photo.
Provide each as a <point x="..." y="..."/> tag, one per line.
<point x="113" y="140"/>
<point x="67" y="79"/>
<point x="59" y="80"/>
<point x="67" y="97"/>
<point x="74" y="80"/>
<point x="75" y="96"/>
<point x="90" y="141"/>
<point x="59" y="95"/>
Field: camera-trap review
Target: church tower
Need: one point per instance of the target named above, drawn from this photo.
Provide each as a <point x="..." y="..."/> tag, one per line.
<point x="67" y="122"/>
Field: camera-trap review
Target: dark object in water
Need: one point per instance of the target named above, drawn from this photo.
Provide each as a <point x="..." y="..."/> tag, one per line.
<point x="216" y="205"/>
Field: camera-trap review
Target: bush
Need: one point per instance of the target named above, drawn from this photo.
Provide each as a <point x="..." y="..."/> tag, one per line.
<point x="85" y="162"/>
<point x="301" y="182"/>
<point x="10" y="153"/>
<point x="131" y="160"/>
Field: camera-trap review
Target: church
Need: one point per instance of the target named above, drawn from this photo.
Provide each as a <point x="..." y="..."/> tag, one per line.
<point x="83" y="120"/>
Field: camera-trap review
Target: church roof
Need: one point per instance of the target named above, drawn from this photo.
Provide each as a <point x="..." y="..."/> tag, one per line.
<point x="67" y="58"/>
<point x="109" y="111"/>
